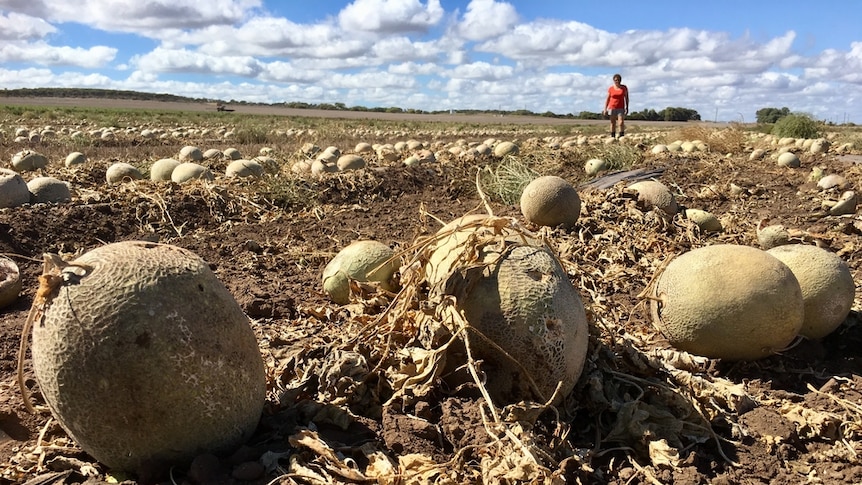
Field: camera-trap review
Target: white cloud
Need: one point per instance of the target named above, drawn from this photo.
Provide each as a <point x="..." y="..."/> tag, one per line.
<point x="45" y="54"/>
<point x="370" y="81"/>
<point x="16" y="26"/>
<point x="141" y="16"/>
<point x="182" y="60"/>
<point x="37" y="78"/>
<point x="414" y="69"/>
<point x="482" y="70"/>
<point x="285" y="72"/>
<point x="485" y="19"/>
<point x="390" y="16"/>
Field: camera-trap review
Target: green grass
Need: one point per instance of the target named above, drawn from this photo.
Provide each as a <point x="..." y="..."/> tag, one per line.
<point x="796" y="126"/>
<point x="507" y="180"/>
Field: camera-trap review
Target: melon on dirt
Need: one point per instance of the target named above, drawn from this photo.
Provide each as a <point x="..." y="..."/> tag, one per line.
<point x="144" y="357"/>
<point x="525" y="318"/>
<point x="727" y="301"/>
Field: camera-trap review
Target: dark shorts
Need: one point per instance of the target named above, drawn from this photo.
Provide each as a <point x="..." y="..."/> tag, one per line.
<point x="617" y="112"/>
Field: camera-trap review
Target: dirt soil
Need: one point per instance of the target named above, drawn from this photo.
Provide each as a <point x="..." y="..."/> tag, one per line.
<point x="797" y="418"/>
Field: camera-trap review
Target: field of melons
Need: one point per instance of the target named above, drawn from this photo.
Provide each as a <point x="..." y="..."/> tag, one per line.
<point x="430" y="302"/>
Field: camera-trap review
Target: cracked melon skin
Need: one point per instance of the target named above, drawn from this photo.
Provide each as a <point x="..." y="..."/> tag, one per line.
<point x="521" y="299"/>
<point x="146" y="358"/>
<point x="728" y="301"/>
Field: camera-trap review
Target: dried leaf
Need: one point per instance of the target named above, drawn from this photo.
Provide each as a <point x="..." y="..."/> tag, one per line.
<point x="811" y="423"/>
<point x="662" y="455"/>
<point x="310" y="440"/>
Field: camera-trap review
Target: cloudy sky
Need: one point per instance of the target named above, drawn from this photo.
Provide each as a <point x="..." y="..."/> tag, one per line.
<point x="724" y="58"/>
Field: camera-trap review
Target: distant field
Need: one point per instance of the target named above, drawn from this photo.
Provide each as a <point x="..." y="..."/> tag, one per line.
<point x="314" y="113"/>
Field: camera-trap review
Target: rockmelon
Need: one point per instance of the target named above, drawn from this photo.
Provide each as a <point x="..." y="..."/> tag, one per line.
<point x="188" y="171"/>
<point x="162" y="169"/>
<point x="49" y="190"/>
<point x="551" y="201"/>
<point x="145" y="358"/>
<point x="362" y="260"/>
<point x="13" y="189"/>
<point x="728" y="301"/>
<point x="244" y="168"/>
<point x="10" y="281"/>
<point x="654" y="194"/>
<point x="827" y="286"/>
<point x="512" y="290"/>
<point x="122" y="172"/>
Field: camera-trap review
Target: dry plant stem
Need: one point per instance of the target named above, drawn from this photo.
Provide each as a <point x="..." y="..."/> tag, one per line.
<point x="40" y="464"/>
<point x="646" y="473"/>
<point x="848" y="405"/>
<point x="160" y="202"/>
<point x="50" y="280"/>
<point x="482" y="194"/>
<point x="471" y="362"/>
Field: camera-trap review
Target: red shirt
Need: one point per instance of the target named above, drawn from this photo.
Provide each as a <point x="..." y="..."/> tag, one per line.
<point x="617" y="96"/>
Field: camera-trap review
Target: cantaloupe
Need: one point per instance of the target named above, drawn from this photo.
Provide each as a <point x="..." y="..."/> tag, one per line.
<point x="515" y="293"/>
<point x="244" y="168"/>
<point x="190" y="153"/>
<point x="145" y="358"/>
<point x="122" y="172"/>
<point x="706" y="221"/>
<point x="48" y="190"/>
<point x="827" y="286"/>
<point x="728" y="301"/>
<point x="551" y="201"/>
<point x="350" y="162"/>
<point x="654" y="194"/>
<point x="75" y="158"/>
<point x="505" y="148"/>
<point x="162" y="169"/>
<point x="362" y="260"/>
<point x="13" y="189"/>
<point x="28" y="160"/>
<point x="10" y="281"/>
<point x="188" y="171"/>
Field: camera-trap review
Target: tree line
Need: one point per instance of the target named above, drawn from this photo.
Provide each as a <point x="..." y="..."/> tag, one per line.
<point x="667" y="114"/>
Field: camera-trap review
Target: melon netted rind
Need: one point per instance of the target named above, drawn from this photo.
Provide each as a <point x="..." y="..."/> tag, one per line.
<point x="146" y="357"/>
<point x="728" y="301"/>
<point x="521" y="298"/>
<point x="362" y="260"/>
<point x="75" y="158"/>
<point x="550" y="201"/>
<point x="827" y="286"/>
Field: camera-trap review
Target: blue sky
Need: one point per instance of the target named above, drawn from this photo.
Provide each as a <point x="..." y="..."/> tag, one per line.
<point x="725" y="59"/>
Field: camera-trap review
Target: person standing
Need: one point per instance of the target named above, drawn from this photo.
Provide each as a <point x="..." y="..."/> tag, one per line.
<point x="617" y="105"/>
